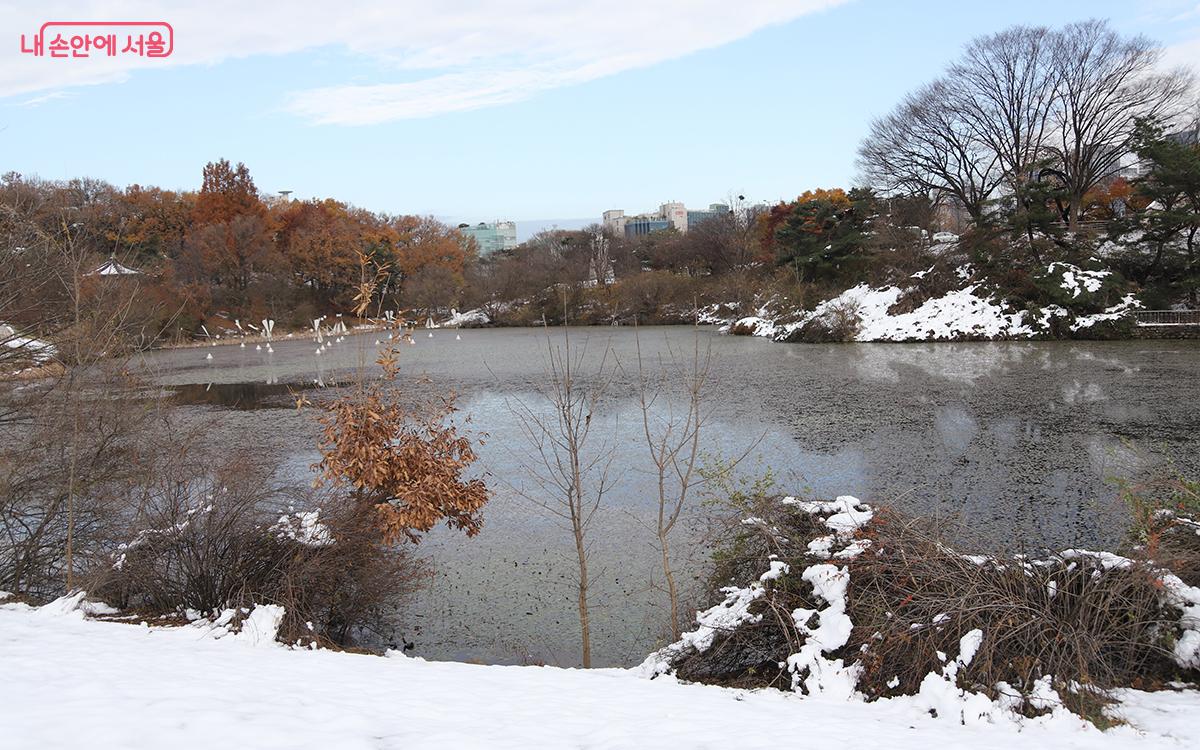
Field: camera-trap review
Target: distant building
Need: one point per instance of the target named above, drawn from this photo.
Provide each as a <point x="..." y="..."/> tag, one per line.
<point x="614" y="221"/>
<point x="672" y="215"/>
<point x="714" y="211"/>
<point x="676" y="214"/>
<point x="949" y="215"/>
<point x="493" y="237"/>
<point x="639" y="226"/>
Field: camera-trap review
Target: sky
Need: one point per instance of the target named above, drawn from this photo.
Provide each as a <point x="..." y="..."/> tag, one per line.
<point x="537" y="111"/>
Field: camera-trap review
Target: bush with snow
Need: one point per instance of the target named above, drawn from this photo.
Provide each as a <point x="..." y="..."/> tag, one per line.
<point x="839" y="599"/>
<point x="214" y="547"/>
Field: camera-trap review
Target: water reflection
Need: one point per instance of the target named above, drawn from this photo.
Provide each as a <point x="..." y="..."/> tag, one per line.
<point x="269" y="395"/>
<point x="1021" y="440"/>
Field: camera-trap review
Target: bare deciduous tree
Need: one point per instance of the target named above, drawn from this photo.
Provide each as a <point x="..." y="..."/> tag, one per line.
<point x="1024" y="103"/>
<point x="673" y="438"/>
<point x="571" y="473"/>
<point x="1004" y="88"/>
<point x="925" y="147"/>
<point x="1105" y="84"/>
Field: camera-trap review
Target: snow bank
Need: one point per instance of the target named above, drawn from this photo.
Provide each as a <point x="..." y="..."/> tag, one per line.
<point x="964" y="313"/>
<point x="258" y="625"/>
<point x="959" y="314"/>
<point x="970" y="313"/>
<point x="71" y="682"/>
<point x="38" y="352"/>
<point x="469" y="318"/>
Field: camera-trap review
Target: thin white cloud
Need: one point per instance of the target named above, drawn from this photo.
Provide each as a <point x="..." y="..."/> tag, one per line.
<point x="38" y="101"/>
<point x="447" y="56"/>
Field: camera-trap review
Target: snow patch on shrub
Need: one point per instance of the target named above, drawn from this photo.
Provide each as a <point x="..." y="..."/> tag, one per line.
<point x="968" y="313"/>
<point x="256" y="626"/>
<point x="305" y="528"/>
<point x="821" y="663"/>
<point x="1076" y="280"/>
<point x="1116" y="312"/>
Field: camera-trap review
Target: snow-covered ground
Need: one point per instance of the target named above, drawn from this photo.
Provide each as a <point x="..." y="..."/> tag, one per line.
<point x="972" y="312"/>
<point x="69" y="682"/>
<point x="959" y="314"/>
<point x="37" y="351"/>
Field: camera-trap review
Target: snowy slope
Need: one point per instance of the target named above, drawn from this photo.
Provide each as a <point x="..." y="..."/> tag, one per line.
<point x="71" y="682"/>
<point x="969" y="313"/>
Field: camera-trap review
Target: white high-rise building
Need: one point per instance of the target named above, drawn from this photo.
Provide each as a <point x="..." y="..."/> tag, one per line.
<point x="670" y="215"/>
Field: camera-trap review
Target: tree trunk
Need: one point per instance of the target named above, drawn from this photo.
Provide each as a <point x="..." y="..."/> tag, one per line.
<point x="585" y="629"/>
<point x="70" y="556"/>
<point x="1191" y="265"/>
<point x="672" y="591"/>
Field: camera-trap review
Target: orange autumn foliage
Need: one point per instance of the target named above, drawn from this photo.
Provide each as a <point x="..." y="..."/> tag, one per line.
<point x="406" y="468"/>
<point x="769" y="222"/>
<point x="424" y="242"/>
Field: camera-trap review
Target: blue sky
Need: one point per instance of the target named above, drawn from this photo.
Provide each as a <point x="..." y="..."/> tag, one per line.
<point x="526" y="110"/>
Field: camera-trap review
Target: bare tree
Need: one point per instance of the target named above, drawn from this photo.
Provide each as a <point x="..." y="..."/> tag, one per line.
<point x="673" y="439"/>
<point x="1106" y="84"/>
<point x="1004" y="88"/>
<point x="96" y="331"/>
<point x="601" y="260"/>
<point x="571" y="473"/>
<point x="926" y="147"/>
<point x="1020" y="105"/>
<point x="68" y="432"/>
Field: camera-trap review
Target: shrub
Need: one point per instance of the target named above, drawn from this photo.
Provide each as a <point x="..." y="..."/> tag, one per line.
<point x="1071" y="616"/>
<point x="839" y="322"/>
<point x="227" y="539"/>
<point x="401" y="466"/>
<point x="1165" y="524"/>
<point x="1082" y="290"/>
<point x="650" y="296"/>
<point x="822" y="596"/>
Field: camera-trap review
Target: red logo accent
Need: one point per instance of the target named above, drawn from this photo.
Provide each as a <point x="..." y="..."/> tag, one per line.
<point x="66" y="39"/>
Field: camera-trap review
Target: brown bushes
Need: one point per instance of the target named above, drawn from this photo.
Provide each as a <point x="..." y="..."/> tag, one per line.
<point x="1090" y="622"/>
<point x="213" y="540"/>
<point x="912" y="598"/>
<point x="839" y="323"/>
<point x="1166" y="524"/>
<point x="400" y="465"/>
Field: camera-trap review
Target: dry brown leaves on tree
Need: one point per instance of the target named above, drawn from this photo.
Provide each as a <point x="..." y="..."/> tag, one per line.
<point x="407" y="467"/>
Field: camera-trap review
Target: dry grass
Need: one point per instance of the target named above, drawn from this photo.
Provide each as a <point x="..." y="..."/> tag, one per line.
<point x="912" y="598"/>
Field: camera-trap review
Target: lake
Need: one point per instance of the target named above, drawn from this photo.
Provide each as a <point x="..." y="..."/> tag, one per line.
<point x="1023" y="441"/>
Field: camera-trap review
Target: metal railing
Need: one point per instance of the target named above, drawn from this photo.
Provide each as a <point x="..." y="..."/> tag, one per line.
<point x="1167" y="317"/>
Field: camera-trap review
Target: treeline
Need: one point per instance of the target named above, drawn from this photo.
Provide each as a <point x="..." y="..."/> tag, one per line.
<point x="1036" y="146"/>
<point x="221" y="253"/>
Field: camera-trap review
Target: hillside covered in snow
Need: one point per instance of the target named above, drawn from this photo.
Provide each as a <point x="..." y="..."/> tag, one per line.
<point x="953" y="303"/>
